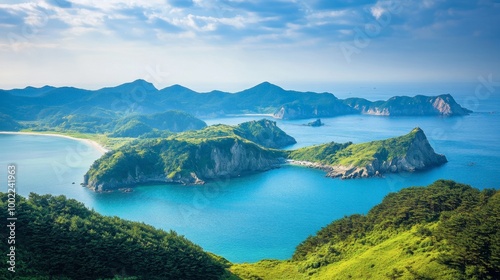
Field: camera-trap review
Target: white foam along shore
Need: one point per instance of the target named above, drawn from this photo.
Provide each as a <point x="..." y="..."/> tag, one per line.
<point x="92" y="143"/>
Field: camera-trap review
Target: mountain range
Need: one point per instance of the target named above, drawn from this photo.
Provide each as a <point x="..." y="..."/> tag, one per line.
<point x="141" y="97"/>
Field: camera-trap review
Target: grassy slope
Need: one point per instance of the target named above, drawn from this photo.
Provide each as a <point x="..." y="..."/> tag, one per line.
<point x="410" y="235"/>
<point x="348" y="154"/>
<point x="366" y="262"/>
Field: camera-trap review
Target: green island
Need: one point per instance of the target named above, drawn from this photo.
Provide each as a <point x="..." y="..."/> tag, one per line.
<point x="408" y="153"/>
<point x="192" y="157"/>
<point x="446" y="230"/>
<point x="222" y="151"/>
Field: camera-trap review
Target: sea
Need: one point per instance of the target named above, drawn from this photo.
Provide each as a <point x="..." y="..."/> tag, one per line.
<point x="266" y="215"/>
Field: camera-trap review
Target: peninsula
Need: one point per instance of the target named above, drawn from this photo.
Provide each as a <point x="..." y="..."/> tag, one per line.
<point x="222" y="151"/>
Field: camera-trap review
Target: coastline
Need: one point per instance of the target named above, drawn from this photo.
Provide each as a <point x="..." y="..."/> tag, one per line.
<point x="92" y="143"/>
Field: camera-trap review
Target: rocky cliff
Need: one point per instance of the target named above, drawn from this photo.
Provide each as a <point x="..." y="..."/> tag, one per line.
<point x="442" y="105"/>
<point x="304" y="110"/>
<point x="218" y="151"/>
<point x="172" y="161"/>
<point x="407" y="153"/>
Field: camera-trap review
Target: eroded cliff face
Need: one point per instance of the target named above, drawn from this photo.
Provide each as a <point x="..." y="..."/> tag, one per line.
<point x="442" y="105"/>
<point x="419" y="156"/>
<point x="210" y="161"/>
<point x="239" y="160"/>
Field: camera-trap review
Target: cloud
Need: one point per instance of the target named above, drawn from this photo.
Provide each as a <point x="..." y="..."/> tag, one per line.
<point x="61" y="3"/>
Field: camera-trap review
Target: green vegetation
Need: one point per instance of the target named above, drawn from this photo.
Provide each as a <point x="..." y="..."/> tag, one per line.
<point x="190" y="156"/>
<point x="114" y="125"/>
<point x="359" y="155"/>
<point x="444" y="231"/>
<point x="263" y="132"/>
<point x="58" y="238"/>
<point x="8" y="124"/>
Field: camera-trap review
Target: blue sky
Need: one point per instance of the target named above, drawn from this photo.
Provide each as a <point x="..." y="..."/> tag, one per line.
<point x="234" y="44"/>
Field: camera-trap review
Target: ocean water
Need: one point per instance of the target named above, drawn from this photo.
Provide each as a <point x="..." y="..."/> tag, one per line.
<point x="267" y="215"/>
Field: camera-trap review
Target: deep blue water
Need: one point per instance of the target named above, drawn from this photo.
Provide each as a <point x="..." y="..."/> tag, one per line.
<point x="266" y="215"/>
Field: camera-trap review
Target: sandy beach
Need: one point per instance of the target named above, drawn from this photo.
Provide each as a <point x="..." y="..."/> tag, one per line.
<point x="92" y="143"/>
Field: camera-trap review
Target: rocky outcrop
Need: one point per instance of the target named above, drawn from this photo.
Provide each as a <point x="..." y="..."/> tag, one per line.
<point x="239" y="160"/>
<point x="419" y="156"/>
<point x="442" y="105"/>
<point x="302" y="110"/>
<point x="416" y="154"/>
<point x="180" y="162"/>
<point x="316" y="123"/>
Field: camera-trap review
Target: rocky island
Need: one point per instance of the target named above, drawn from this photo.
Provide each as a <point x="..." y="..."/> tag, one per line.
<point x="222" y="151"/>
<point x="407" y="153"/>
<point x="218" y="151"/>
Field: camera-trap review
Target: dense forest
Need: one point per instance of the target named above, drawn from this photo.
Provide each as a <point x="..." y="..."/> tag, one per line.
<point x="444" y="231"/>
<point x="59" y="238"/>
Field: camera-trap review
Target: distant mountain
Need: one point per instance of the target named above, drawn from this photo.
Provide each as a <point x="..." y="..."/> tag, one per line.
<point x="141" y="97"/>
<point x="442" y="105"/>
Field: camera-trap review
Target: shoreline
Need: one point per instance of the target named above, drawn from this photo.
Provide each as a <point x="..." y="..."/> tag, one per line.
<point x="91" y="143"/>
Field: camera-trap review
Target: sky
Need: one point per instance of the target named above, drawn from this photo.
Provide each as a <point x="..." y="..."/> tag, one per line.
<point x="235" y="44"/>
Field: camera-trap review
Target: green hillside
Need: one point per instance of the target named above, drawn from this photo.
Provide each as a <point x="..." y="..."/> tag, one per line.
<point x="114" y="124"/>
<point x="348" y="154"/>
<point x="191" y="157"/>
<point x="59" y="238"/>
<point x="444" y="231"/>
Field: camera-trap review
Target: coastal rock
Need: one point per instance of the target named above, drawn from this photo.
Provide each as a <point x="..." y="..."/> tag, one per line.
<point x="218" y="151"/>
<point x="316" y="123"/>
<point x="442" y="105"/>
<point x="407" y="153"/>
<point x="419" y="156"/>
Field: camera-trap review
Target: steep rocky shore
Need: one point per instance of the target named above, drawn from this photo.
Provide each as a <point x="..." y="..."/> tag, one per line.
<point x="416" y="155"/>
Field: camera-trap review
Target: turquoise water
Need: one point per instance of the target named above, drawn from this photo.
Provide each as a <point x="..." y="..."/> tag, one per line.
<point x="264" y="215"/>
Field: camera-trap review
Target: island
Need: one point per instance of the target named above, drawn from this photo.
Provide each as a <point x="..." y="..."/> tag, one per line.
<point x="223" y="151"/>
<point x="316" y="123"/>
<point x="406" y="153"/>
<point x="193" y="157"/>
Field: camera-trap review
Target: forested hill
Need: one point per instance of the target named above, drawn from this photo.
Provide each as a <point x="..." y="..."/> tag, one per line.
<point x="58" y="238"/>
<point x="141" y="97"/>
<point x="407" y="153"/>
<point x="444" y="231"/>
<point x="192" y="157"/>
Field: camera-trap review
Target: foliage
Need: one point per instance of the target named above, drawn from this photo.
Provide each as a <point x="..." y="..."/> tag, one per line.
<point x="179" y="156"/>
<point x="114" y="124"/>
<point x="8" y="124"/>
<point x="444" y="231"/>
<point x="359" y="155"/>
<point x="132" y="128"/>
<point x="60" y="238"/>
